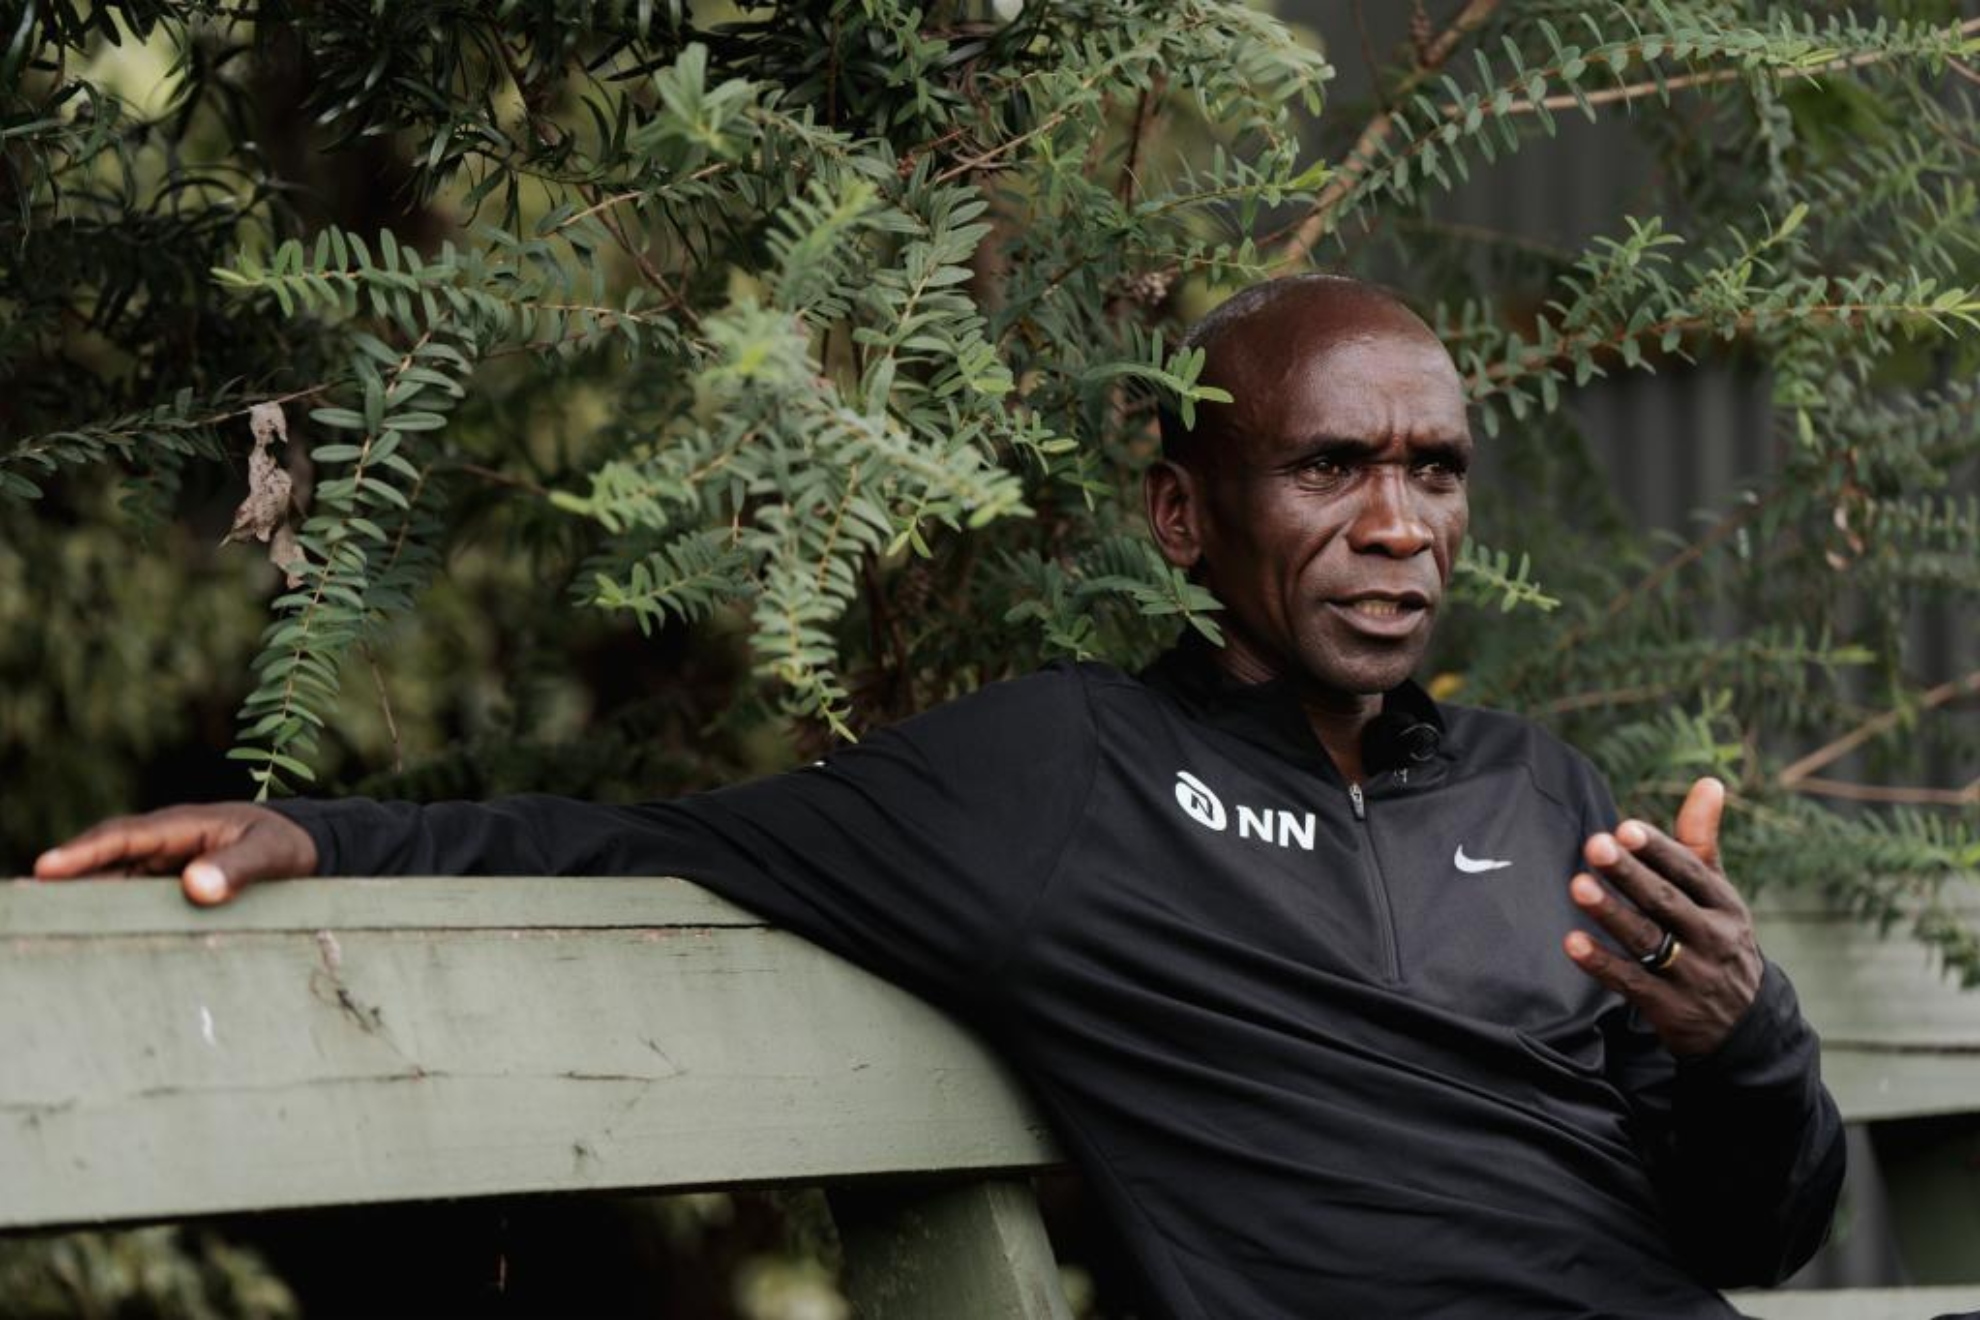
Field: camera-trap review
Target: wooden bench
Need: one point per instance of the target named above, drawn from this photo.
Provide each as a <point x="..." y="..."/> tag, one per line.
<point x="349" y="1041"/>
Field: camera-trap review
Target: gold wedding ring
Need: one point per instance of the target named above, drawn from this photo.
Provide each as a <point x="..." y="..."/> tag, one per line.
<point x="1659" y="959"/>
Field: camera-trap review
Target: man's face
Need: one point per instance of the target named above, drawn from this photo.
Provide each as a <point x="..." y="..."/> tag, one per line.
<point x="1329" y="497"/>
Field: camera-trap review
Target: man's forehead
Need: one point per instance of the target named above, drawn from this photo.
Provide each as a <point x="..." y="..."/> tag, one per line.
<point x="1380" y="373"/>
<point x="1310" y="319"/>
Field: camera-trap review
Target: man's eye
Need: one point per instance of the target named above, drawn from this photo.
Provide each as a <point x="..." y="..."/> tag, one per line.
<point x="1441" y="469"/>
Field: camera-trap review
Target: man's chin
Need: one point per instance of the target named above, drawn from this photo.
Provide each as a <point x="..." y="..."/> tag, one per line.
<point x="1359" y="676"/>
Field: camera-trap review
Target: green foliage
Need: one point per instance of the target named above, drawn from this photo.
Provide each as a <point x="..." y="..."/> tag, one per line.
<point x="828" y="337"/>
<point x="171" y="1273"/>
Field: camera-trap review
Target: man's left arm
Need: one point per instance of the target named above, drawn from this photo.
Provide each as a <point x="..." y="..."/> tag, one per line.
<point x="1746" y="1144"/>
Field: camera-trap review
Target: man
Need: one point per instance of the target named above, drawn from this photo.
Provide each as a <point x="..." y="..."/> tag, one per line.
<point x="1290" y="953"/>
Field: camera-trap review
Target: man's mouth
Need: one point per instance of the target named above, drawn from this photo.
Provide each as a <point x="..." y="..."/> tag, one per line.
<point x="1384" y="615"/>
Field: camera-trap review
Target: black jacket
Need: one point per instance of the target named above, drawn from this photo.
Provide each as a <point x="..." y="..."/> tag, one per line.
<point x="1315" y="1063"/>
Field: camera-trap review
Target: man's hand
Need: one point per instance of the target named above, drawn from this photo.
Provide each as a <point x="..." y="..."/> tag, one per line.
<point x="1676" y="886"/>
<point x="216" y="849"/>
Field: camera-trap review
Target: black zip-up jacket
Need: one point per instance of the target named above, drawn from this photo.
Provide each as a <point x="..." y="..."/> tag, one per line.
<point x="1318" y="1056"/>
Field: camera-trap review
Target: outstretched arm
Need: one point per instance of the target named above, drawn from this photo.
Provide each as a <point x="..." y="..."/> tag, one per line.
<point x="915" y="853"/>
<point x="1723" y="1072"/>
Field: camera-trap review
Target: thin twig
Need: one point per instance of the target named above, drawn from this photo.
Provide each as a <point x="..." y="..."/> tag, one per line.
<point x="1597" y="342"/>
<point x="1731" y="522"/>
<point x="290" y="397"/>
<point x="620" y="199"/>
<point x="1691" y="553"/>
<point x="385" y="706"/>
<point x="889" y="638"/>
<point x="1361" y="156"/>
<point x="1937" y="797"/>
<point x="502" y="478"/>
<point x="989" y="156"/>
<point x="1874" y="726"/>
<point x="1151" y="96"/>
<point x="1368" y="55"/>
<point x="647" y="270"/>
<point x="549" y="135"/>
<point x="1096" y="150"/>
<point x="1650" y="86"/>
<point x="589" y="211"/>
<point x="1612" y="697"/>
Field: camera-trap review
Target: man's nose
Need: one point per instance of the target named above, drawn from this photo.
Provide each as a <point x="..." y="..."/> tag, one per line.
<point x="1389" y="519"/>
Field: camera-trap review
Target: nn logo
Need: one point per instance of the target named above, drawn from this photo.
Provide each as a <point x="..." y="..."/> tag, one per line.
<point x="1271" y="824"/>
<point x="1198" y="802"/>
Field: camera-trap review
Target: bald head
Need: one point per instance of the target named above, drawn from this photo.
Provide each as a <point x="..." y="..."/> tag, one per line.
<point x="1264" y="337"/>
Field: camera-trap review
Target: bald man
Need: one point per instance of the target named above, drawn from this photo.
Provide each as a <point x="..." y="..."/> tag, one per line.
<point x="1347" y="1002"/>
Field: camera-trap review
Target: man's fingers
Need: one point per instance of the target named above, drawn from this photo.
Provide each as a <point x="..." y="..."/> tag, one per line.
<point x="1629" y="928"/>
<point x="216" y="849"/>
<point x="1677" y="863"/>
<point x="1665" y="903"/>
<point x="141" y="842"/>
<point x="206" y="883"/>
<point x="1622" y="975"/>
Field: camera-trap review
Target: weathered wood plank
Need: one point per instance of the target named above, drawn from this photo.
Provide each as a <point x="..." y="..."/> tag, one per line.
<point x="323" y="1041"/>
<point x="1860" y="1303"/>
<point x="973" y="1252"/>
<point x="1898" y="1039"/>
<point x="248" y="1058"/>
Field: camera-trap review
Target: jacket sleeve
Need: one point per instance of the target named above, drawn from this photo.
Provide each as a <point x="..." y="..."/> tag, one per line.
<point x="1745" y="1144"/>
<point x="914" y="852"/>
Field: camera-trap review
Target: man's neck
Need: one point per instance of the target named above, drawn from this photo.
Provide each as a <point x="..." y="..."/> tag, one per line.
<point x="1337" y="718"/>
<point x="1338" y="722"/>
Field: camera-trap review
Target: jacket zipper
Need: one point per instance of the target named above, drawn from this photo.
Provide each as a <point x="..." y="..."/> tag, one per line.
<point x="1378" y="889"/>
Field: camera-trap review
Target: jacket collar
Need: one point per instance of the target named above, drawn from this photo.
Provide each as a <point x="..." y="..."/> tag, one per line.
<point x="1269" y="715"/>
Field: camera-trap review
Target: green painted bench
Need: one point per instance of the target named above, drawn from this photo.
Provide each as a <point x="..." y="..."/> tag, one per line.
<point x="348" y="1041"/>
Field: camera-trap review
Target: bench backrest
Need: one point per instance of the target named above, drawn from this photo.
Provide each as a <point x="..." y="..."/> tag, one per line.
<point x="341" y="1041"/>
<point x="336" y="1041"/>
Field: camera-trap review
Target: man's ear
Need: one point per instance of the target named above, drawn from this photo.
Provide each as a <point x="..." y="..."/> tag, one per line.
<point x="1175" y="512"/>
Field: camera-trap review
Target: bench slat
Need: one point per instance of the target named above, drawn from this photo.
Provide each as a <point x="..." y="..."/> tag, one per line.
<point x="1859" y="1303"/>
<point x="247" y="1058"/>
<point x="1899" y="1040"/>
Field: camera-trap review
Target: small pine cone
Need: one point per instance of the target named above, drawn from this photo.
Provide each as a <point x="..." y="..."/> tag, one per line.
<point x="1148" y="288"/>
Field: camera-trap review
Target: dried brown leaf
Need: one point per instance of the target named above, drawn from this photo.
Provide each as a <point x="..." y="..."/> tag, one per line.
<point x="266" y="513"/>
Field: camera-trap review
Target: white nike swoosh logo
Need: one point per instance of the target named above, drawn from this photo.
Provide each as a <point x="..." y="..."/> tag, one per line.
<point x="1473" y="865"/>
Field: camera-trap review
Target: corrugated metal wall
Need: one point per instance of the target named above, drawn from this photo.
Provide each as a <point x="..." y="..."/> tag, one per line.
<point x="1680" y="442"/>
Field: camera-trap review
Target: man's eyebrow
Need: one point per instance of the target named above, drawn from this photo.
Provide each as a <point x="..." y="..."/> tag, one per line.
<point x="1346" y="448"/>
<point x="1452" y="449"/>
<point x="1333" y="446"/>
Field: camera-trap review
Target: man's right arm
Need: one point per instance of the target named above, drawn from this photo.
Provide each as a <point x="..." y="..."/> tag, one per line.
<point x="916" y="852"/>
